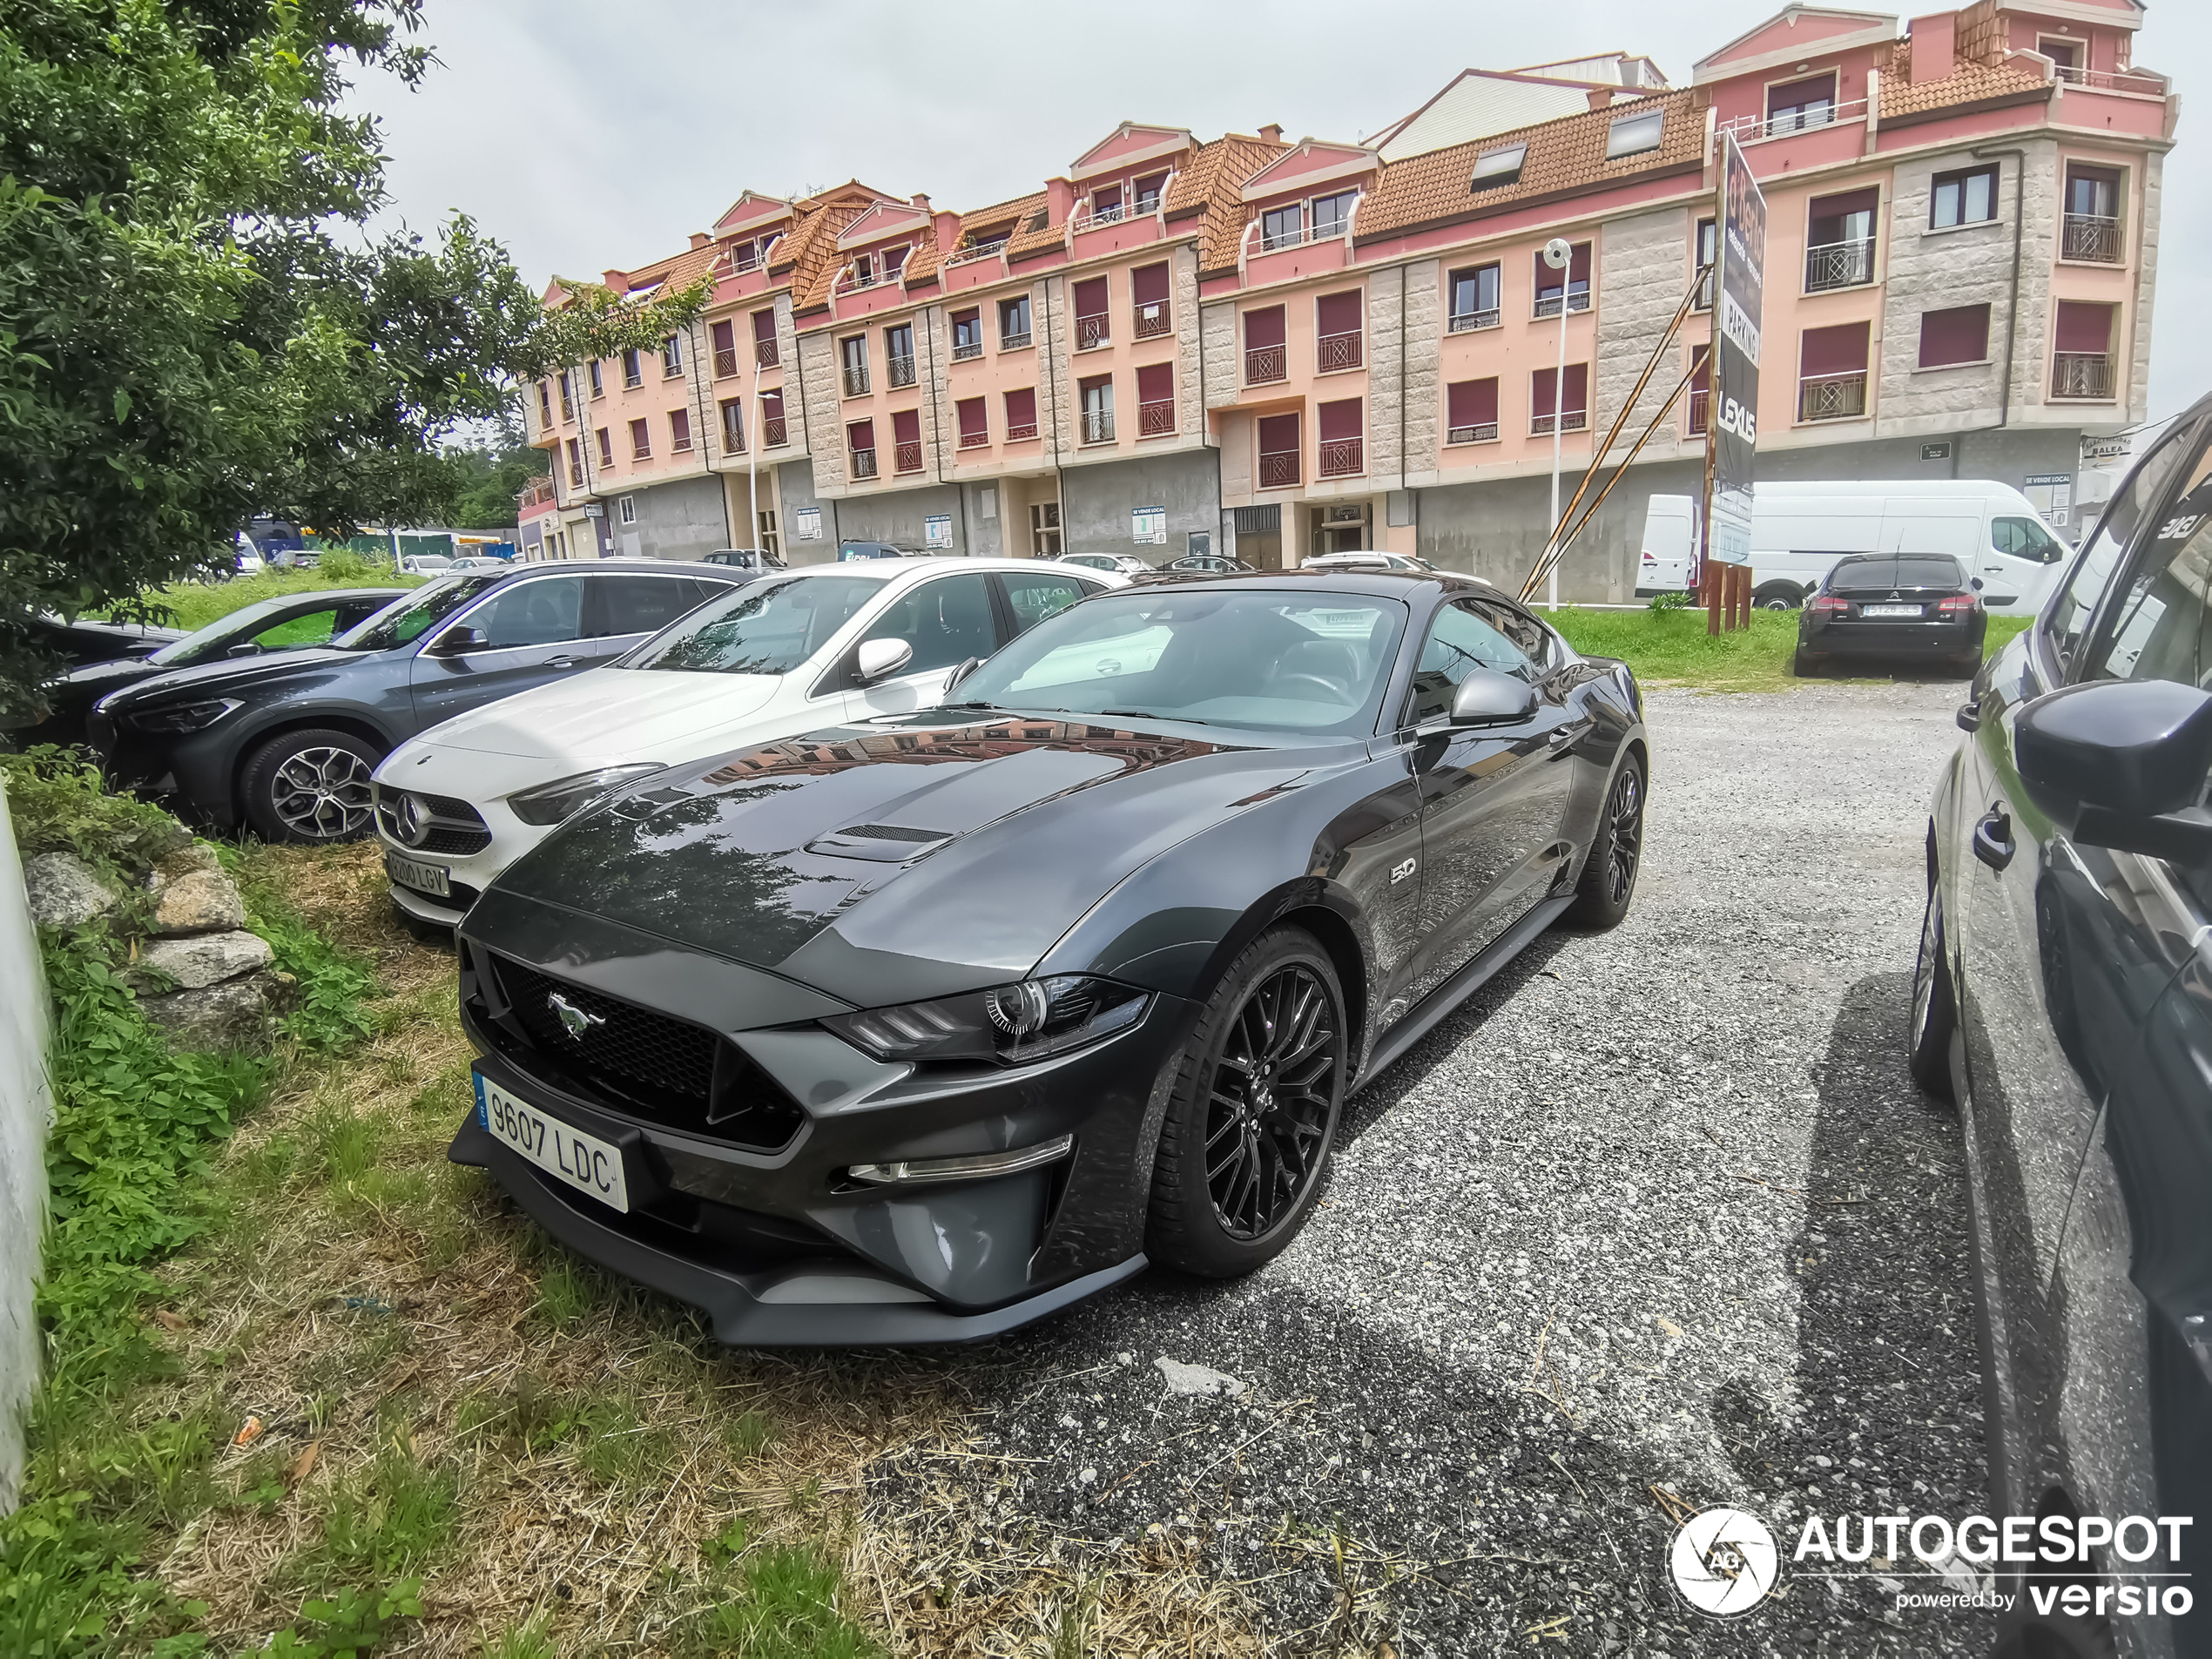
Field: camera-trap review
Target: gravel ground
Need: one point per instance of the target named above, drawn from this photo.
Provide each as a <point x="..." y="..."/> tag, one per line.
<point x="1659" y="1208"/>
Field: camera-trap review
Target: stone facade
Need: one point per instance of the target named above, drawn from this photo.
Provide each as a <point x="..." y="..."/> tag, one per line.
<point x="1642" y="271"/>
<point x="816" y="355"/>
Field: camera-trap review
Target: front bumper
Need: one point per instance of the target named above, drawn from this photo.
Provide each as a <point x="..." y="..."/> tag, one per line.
<point x="190" y="772"/>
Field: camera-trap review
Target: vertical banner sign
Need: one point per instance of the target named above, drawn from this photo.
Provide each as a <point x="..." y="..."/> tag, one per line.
<point x="1736" y="358"/>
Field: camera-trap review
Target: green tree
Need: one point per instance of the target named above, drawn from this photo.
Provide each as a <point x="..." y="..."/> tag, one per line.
<point x="493" y="473"/>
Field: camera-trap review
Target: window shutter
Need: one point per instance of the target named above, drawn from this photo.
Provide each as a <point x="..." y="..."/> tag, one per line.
<point x="2084" y="327"/>
<point x="1339" y="420"/>
<point x="1278" y="433"/>
<point x="969" y="318"/>
<point x="639" y="436"/>
<point x="1339" y="313"/>
<point x="1471" y="402"/>
<point x="1578" y="264"/>
<point x="974" y="420"/>
<point x="1263" y="327"/>
<point x="1578" y="389"/>
<point x="1797" y="94"/>
<point x="1959" y="334"/>
<point x="1148" y="286"/>
<point x="1543" y="391"/>
<point x="1091" y="297"/>
<point x="725" y="337"/>
<point x="861" y="434"/>
<point x="772" y="405"/>
<point x="1844" y="205"/>
<point x="1838" y="350"/>
<point x="1156" y="383"/>
<point x="1022" y="407"/>
<point x="905" y="426"/>
<point x="679" y="427"/>
<point x="764" y="326"/>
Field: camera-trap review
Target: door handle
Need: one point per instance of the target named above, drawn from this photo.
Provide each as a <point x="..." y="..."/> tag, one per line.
<point x="1564" y="738"/>
<point x="1993" y="840"/>
<point x="560" y="662"/>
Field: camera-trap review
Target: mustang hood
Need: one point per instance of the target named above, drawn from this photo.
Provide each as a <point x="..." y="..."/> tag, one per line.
<point x="631" y="712"/>
<point x="902" y="858"/>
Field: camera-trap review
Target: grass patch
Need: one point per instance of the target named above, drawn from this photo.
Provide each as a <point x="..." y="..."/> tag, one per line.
<point x="192" y="605"/>
<point x="1670" y="647"/>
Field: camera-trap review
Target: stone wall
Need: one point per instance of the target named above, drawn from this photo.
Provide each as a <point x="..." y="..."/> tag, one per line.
<point x="1932" y="270"/>
<point x="681" y="518"/>
<point x="1642" y="271"/>
<point x="1404" y="381"/>
<point x="816" y="354"/>
<point x="1096" y="502"/>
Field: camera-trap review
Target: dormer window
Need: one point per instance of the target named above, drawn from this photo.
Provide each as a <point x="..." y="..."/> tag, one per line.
<point x="863" y="270"/>
<point x="1332" y="214"/>
<point x="894" y="261"/>
<point x="1795" y="106"/>
<point x="1149" y="190"/>
<point x="1494" y="169"/>
<point x="1632" y="135"/>
<point x="1106" y="205"/>
<point x="1037" y="220"/>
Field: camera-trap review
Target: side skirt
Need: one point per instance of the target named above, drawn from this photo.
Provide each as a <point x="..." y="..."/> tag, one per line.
<point x="1423" y="1017"/>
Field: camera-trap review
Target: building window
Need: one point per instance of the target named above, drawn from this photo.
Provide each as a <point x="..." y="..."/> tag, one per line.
<point x="598" y="385"/>
<point x="1796" y="105"/>
<point x="1265" y="359"/>
<point x="641" y="440"/>
<point x="1106" y="205"/>
<point x="1494" y="169"/>
<point x="1337" y="338"/>
<point x="1044" y="529"/>
<point x="2068" y="57"/>
<point x="680" y="431"/>
<point x="1094" y="323"/>
<point x="975" y="416"/>
<point x="968" y="334"/>
<point x="1701" y="394"/>
<point x="852" y="352"/>
<point x="626" y="508"/>
<point x="575" y="463"/>
<point x="568" y="397"/>
<point x="899" y="354"/>
<point x="633" y="370"/>
<point x="1013" y="323"/>
<point x="1096" y="396"/>
<point x="544" y="403"/>
<point x="1968" y="198"/>
<point x="860" y="435"/>
<point x="773" y="433"/>
<point x="1708" y="253"/>
<point x="764" y="339"/>
<point x="1573" y="283"/>
<point x="1282" y="227"/>
<point x="1471" y="411"/>
<point x="1148" y="192"/>
<point x="1574" y="411"/>
<point x="1343" y="439"/>
<point x="2081" y="360"/>
<point x="905" y="440"/>
<point x="671" y="357"/>
<point x="1148" y="294"/>
<point x="1278" y="451"/>
<point x="1958" y="335"/>
<point x="1332" y="214"/>
<point x="1474" y="298"/>
<point x="1155" y="400"/>
<point x="894" y="261"/>
<point x="1832" y="373"/>
<point x="733" y="425"/>
<point x="2091" y="229"/>
<point x="1840" y="240"/>
<point x="725" y="350"/>
<point x="1021" y="414"/>
<point x="1632" y="135"/>
<point x="771" y="541"/>
<point x="606" y="447"/>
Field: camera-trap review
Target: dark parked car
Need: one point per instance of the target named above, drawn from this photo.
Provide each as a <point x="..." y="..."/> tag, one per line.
<point x="2063" y="997"/>
<point x="920" y="1029"/>
<point x="1917" y="605"/>
<point x="289" y="622"/>
<point x="1205" y="564"/>
<point x="756" y="559"/>
<point x="90" y="639"/>
<point x="870" y="550"/>
<point x="285" y="744"/>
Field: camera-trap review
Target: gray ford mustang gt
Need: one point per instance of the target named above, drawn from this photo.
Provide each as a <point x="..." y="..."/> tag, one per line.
<point x="921" y="1028"/>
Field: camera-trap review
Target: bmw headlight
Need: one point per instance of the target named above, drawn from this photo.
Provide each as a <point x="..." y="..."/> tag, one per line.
<point x="565" y="797"/>
<point x="183" y="716"/>
<point x="1013" y="1024"/>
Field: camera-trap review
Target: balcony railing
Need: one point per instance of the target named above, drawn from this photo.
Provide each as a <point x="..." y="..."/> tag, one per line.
<point x="536" y="493"/>
<point x="1113" y="215"/>
<point x="725" y="361"/>
<point x="906" y="456"/>
<point x="1020" y="431"/>
<point x="864" y="464"/>
<point x="764" y="353"/>
<point x="1700" y="409"/>
<point x="1154" y="318"/>
<point x="1014" y="341"/>
<point x="859" y="281"/>
<point x="1467" y="321"/>
<point x="732" y="436"/>
<point x="632" y="379"/>
<point x="1748" y="128"/>
<point x="680" y="445"/>
<point x="1265" y="365"/>
<point x="1480" y="432"/>
<point x="568" y="407"/>
<point x="1098" y="426"/>
<point x="1343" y="457"/>
<point x="1571" y="421"/>
<point x="1278" y="469"/>
<point x="1094" y="331"/>
<point x="576" y="474"/>
<point x="2081" y="373"/>
<point x="1578" y="300"/>
<point x="1839" y="265"/>
<point x="1833" y="397"/>
<point x="856" y="381"/>
<point x="1156" y="418"/>
<point x="965" y="349"/>
<point x="641" y="451"/>
<point x="973" y="440"/>
<point x="981" y="251"/>
<point x="898" y="371"/>
<point x="772" y="432"/>
<point x="2094" y="237"/>
<point x="1338" y="351"/>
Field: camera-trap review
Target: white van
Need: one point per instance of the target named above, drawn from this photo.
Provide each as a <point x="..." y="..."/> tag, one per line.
<point x="1800" y="530"/>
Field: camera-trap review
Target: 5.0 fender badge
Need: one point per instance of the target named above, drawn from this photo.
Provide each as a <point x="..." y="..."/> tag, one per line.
<point x="1400" y="871"/>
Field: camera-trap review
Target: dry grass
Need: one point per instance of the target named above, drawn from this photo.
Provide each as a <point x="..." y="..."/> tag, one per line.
<point x="442" y="1391"/>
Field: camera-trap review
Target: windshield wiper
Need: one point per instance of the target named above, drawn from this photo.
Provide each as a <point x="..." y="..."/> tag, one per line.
<point x="967" y="706"/>
<point x="1154" y="714"/>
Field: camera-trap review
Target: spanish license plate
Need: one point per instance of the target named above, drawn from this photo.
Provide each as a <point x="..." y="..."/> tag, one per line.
<point x="423" y="878"/>
<point x="1889" y="610"/>
<point x="584" y="1161"/>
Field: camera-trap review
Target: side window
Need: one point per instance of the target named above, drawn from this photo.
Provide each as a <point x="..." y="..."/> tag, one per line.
<point x="2162" y="627"/>
<point x="2068" y="619"/>
<point x="1035" y="597"/>
<point x="543" y="612"/>
<point x="641" y="604"/>
<point x="947" y="621"/>
<point x="1460" y="640"/>
<point x="1525" y="632"/>
<point x="311" y="627"/>
<point x="2026" y="538"/>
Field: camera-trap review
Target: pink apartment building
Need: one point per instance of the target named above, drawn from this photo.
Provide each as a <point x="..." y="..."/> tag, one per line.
<point x="1278" y="348"/>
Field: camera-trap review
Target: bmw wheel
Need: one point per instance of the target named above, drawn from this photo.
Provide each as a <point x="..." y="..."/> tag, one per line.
<point x="1253" y="1116"/>
<point x="310" y="787"/>
<point x="1935" y="1009"/>
<point x="1608" y="880"/>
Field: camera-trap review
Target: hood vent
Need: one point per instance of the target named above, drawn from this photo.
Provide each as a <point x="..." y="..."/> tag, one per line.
<point x="885" y="843"/>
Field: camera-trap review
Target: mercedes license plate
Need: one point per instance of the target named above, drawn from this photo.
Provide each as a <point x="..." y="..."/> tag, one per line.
<point x="423" y="878"/>
<point x="1889" y="610"/>
<point x="584" y="1162"/>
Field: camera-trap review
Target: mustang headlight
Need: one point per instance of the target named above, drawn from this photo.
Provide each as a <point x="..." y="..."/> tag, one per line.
<point x="565" y="797"/>
<point x="183" y="716"/>
<point x="1010" y="1024"/>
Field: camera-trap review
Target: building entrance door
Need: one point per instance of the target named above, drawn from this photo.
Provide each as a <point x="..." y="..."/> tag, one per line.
<point x="1259" y="536"/>
<point x="1341" y="528"/>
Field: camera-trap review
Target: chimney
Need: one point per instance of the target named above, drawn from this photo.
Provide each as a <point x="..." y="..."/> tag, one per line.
<point x="948" y="227"/>
<point x="1935" y="43"/>
<point x="1059" y="201"/>
<point x="920" y="198"/>
<point x="1272" y="133"/>
<point x="700" y="240"/>
<point x="1601" y="97"/>
<point x="618" y="280"/>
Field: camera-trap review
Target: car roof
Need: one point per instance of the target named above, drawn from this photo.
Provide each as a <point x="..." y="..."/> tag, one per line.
<point x="1374" y="580"/>
<point x="637" y="567"/>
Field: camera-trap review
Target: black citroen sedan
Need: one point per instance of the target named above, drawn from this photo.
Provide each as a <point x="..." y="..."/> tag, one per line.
<point x="920" y="1029"/>
<point x="2063" y="999"/>
<point x="1915" y="605"/>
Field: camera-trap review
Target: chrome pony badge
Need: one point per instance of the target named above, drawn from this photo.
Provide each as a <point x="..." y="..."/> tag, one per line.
<point x="574" y="1021"/>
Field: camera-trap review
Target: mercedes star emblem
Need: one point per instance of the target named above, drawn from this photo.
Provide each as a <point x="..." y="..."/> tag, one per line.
<point x="410" y="822"/>
<point x="574" y="1021"/>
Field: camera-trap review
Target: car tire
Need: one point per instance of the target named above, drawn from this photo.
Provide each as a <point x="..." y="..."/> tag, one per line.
<point x="310" y="787"/>
<point x="1934" y="1013"/>
<point x="1261" y="1083"/>
<point x="1806" y="663"/>
<point x="1778" y="596"/>
<point x="1608" y="880"/>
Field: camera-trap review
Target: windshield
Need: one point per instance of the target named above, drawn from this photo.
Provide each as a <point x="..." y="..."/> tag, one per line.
<point x="211" y="640"/>
<point x="764" y="628"/>
<point x="1254" y="657"/>
<point x="407" y="621"/>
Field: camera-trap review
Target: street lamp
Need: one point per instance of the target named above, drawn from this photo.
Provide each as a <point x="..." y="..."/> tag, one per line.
<point x="1558" y="254"/>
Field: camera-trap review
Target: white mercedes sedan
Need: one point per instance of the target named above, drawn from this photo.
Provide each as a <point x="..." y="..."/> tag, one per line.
<point x="784" y="654"/>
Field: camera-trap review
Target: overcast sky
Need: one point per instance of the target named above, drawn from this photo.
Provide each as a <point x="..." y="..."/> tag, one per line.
<point x="585" y="135"/>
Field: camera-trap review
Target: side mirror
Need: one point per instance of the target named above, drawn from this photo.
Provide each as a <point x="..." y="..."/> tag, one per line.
<point x="455" y="641"/>
<point x="963" y="672"/>
<point x="876" y="658"/>
<point x="1975" y="583"/>
<point x="1488" y="697"/>
<point x="2127" y="759"/>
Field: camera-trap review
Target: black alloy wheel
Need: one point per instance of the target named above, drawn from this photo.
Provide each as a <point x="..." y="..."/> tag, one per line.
<point x="1252" y="1117"/>
<point x="1608" y="880"/>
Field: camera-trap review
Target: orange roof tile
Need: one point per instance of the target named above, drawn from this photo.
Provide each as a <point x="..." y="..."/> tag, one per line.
<point x="1211" y="185"/>
<point x="1973" y="85"/>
